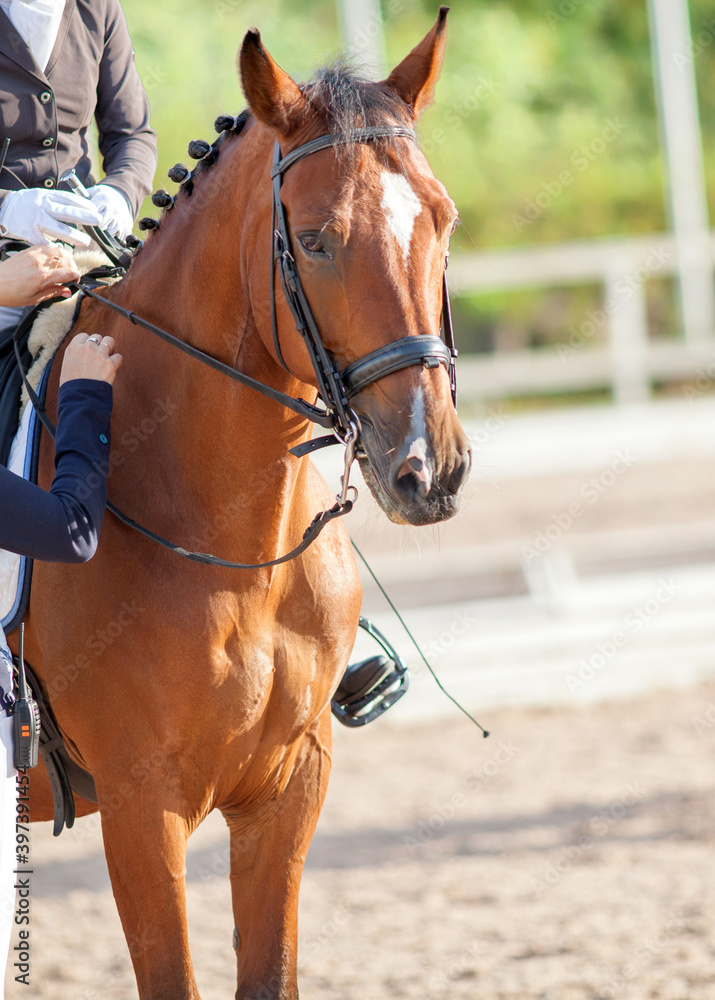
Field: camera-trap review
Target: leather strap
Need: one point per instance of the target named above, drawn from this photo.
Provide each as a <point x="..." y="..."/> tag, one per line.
<point x="309" y="535"/>
<point x="299" y="406"/>
<point x="425" y="350"/>
<point x="341" y="139"/>
<point x="326" y="371"/>
<point x="449" y="334"/>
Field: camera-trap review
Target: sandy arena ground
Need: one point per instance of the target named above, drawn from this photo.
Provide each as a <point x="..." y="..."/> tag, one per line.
<point x="568" y="857"/>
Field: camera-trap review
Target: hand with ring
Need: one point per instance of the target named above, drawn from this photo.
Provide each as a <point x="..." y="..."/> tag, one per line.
<point x="90" y="357"/>
<point x="36" y="274"/>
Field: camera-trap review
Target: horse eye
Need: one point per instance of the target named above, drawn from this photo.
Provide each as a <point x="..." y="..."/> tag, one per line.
<point x="311" y="243"/>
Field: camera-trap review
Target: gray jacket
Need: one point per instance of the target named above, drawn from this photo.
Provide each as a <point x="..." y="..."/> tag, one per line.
<point x="90" y="73"/>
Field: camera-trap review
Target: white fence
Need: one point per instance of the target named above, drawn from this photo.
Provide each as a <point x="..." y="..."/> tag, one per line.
<point x="631" y="362"/>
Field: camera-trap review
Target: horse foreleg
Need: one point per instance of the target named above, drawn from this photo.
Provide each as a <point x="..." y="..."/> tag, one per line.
<point x="268" y="850"/>
<point x="145" y="844"/>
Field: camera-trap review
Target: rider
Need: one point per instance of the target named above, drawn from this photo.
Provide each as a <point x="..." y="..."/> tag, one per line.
<point x="62" y="525"/>
<point x="63" y="63"/>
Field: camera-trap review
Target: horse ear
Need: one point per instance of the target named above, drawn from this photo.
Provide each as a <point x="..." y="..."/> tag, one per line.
<point x="415" y="79"/>
<point x="272" y="96"/>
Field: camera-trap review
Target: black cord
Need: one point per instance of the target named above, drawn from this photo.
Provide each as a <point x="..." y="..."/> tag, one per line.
<point x="440" y="685"/>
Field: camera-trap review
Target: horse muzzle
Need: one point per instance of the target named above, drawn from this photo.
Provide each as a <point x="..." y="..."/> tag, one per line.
<point x="409" y="483"/>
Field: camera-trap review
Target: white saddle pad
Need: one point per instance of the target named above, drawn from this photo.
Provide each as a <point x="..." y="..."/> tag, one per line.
<point x="48" y="332"/>
<point x="12" y="567"/>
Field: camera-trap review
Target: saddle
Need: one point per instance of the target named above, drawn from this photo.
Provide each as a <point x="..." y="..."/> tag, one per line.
<point x="66" y="777"/>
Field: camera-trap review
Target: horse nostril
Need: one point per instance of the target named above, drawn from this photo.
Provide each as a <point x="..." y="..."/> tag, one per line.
<point x="459" y="474"/>
<point x="415" y="473"/>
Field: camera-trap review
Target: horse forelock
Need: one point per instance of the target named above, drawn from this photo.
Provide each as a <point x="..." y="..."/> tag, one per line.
<point x="345" y="102"/>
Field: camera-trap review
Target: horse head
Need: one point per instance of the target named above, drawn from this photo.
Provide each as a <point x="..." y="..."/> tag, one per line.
<point x="369" y="227"/>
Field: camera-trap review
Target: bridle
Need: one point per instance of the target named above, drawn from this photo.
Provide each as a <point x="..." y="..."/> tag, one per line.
<point x="335" y="387"/>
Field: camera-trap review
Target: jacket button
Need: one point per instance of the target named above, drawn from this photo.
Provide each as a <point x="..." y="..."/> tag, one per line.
<point x="48" y="142"/>
<point x="45" y="96"/>
<point x="49" y="182"/>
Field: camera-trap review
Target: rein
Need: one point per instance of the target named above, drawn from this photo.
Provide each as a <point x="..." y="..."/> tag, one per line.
<point x="336" y="388"/>
<point x="309" y="535"/>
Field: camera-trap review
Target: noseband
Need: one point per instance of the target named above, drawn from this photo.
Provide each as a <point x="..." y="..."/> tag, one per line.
<point x="336" y="387"/>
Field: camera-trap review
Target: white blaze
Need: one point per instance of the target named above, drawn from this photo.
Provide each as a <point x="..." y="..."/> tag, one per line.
<point x="401" y="206"/>
<point x="416" y="459"/>
<point x="418" y="431"/>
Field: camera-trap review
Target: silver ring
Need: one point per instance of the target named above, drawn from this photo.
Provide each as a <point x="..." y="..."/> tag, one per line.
<point x="92" y="338"/>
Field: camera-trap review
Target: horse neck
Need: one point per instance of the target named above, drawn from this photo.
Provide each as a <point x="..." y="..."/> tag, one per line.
<point x="194" y="272"/>
<point x="190" y="279"/>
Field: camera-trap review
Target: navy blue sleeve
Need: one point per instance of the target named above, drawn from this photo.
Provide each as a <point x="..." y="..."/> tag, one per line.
<point x="63" y="525"/>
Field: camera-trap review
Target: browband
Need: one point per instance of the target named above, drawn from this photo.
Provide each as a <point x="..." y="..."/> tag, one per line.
<point x="341" y="139"/>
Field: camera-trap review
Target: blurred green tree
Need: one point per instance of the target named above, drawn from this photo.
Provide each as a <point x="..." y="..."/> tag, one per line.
<point x="545" y="125"/>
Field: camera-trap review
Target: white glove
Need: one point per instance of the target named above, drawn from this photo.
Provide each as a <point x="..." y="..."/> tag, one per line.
<point x="39" y="216"/>
<point x="117" y="216"/>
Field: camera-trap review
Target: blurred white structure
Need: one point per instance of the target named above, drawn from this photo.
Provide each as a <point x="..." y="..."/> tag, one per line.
<point x="502" y="625"/>
<point x="362" y="34"/>
<point x="674" y="65"/>
<point x="622" y="266"/>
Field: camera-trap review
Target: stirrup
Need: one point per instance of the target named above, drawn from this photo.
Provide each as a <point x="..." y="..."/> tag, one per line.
<point x="370" y="687"/>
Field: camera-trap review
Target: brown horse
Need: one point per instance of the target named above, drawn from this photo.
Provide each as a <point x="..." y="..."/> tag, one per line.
<point x="186" y="688"/>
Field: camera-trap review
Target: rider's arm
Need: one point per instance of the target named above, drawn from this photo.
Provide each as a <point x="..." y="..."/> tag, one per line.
<point x="63" y="525"/>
